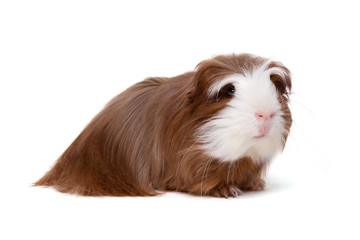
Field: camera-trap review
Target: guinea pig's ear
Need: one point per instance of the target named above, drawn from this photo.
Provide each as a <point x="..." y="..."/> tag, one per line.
<point x="207" y="73"/>
<point x="281" y="78"/>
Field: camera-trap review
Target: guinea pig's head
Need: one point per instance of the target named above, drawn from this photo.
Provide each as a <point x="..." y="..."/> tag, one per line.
<point x="246" y="98"/>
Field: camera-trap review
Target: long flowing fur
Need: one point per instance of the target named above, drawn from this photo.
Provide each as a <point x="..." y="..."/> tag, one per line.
<point x="144" y="140"/>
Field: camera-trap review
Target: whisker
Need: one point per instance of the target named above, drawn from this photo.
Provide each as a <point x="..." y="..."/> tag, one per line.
<point x="182" y="160"/>
<point x="207" y="166"/>
<point x="228" y="174"/>
<point x="193" y="120"/>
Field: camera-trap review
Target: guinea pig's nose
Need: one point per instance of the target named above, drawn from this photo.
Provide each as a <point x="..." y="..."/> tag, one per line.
<point x="263" y="119"/>
<point x="264" y="116"/>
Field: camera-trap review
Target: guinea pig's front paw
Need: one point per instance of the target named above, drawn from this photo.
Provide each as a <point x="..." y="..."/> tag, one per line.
<point x="258" y="185"/>
<point x="226" y="191"/>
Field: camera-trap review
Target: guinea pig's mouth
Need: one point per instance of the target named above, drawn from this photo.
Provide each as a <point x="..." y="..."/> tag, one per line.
<point x="260" y="136"/>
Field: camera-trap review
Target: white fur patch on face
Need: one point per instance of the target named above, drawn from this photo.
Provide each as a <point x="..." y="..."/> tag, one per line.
<point x="231" y="134"/>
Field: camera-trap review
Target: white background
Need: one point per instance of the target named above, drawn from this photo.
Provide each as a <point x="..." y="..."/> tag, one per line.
<point x="61" y="61"/>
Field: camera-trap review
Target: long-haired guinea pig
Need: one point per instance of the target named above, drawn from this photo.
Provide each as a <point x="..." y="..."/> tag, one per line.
<point x="212" y="131"/>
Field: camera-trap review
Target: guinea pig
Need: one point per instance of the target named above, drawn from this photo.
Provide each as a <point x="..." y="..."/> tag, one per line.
<point x="210" y="132"/>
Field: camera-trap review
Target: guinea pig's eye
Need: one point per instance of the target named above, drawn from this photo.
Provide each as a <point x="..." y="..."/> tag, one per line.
<point x="227" y="91"/>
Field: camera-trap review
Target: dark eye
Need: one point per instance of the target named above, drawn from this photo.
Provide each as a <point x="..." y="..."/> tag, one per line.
<point x="227" y="91"/>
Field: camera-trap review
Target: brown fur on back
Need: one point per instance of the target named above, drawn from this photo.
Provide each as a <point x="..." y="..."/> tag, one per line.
<point x="144" y="142"/>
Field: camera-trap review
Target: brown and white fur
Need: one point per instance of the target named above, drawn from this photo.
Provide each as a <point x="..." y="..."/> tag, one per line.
<point x="211" y="131"/>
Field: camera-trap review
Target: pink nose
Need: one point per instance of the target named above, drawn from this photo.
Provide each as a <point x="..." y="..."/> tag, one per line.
<point x="260" y="116"/>
<point x="264" y="120"/>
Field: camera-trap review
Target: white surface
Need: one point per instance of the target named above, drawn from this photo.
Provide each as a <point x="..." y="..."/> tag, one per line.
<point x="60" y="62"/>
